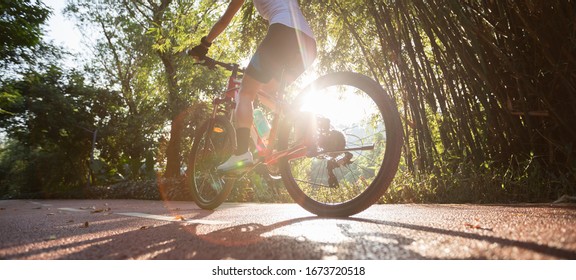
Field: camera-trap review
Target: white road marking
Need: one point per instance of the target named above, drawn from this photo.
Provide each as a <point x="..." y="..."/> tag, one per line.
<point x="72" y="209"/>
<point x="157" y="217"/>
<point x="149" y="216"/>
<point x="41" y="204"/>
<point x="171" y="219"/>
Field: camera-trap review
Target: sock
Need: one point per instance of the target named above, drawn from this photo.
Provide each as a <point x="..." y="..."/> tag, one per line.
<point x="243" y="140"/>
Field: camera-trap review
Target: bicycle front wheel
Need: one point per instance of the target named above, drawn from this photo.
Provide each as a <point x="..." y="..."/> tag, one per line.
<point x="214" y="143"/>
<point x="350" y="129"/>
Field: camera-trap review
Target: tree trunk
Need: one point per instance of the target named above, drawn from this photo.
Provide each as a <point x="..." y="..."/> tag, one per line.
<point x="173" y="150"/>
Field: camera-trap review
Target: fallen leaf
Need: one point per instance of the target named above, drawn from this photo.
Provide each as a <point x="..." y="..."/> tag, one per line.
<point x="476" y="226"/>
<point x="101" y="210"/>
<point x="143" y="227"/>
<point x="51" y="237"/>
<point x="469" y="225"/>
<point x="85" y="225"/>
<point x="179" y="218"/>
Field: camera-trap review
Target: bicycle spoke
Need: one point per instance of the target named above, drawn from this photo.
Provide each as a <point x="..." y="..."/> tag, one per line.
<point x="347" y="112"/>
<point x="213" y="146"/>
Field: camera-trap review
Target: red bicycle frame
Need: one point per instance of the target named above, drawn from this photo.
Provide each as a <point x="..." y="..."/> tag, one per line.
<point x="267" y="154"/>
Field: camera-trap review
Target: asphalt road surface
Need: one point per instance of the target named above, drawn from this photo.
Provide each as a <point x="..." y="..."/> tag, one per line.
<point x="130" y="229"/>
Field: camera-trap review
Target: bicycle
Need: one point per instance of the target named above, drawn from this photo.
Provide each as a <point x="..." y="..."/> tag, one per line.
<point x="331" y="163"/>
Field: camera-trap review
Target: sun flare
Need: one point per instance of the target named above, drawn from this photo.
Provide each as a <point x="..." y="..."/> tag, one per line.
<point x="341" y="105"/>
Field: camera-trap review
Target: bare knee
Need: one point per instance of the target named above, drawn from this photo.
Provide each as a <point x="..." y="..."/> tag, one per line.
<point x="249" y="89"/>
<point x="244" y="110"/>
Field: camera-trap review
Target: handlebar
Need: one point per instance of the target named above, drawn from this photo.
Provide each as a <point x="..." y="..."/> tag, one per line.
<point x="212" y="63"/>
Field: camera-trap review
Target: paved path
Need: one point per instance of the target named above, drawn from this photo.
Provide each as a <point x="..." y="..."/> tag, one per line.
<point x="129" y="229"/>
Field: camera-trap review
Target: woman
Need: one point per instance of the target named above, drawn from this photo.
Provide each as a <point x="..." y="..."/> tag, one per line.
<point x="287" y="50"/>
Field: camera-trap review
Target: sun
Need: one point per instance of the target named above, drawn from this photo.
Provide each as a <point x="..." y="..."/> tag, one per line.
<point x="341" y="104"/>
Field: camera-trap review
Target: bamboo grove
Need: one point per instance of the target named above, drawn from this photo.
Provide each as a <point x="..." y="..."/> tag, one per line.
<point x="487" y="89"/>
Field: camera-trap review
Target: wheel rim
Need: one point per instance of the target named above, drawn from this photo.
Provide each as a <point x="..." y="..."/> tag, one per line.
<point x="359" y="119"/>
<point x="215" y="147"/>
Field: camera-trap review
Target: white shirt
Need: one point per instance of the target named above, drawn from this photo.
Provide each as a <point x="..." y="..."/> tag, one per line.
<point x="284" y="12"/>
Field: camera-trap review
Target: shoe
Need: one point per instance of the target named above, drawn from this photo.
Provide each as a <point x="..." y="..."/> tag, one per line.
<point x="236" y="162"/>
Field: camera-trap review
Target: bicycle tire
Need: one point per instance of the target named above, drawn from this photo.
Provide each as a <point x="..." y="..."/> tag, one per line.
<point x="214" y="142"/>
<point x="351" y="193"/>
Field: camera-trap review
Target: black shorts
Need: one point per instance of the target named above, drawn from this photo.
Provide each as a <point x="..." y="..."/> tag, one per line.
<point x="284" y="50"/>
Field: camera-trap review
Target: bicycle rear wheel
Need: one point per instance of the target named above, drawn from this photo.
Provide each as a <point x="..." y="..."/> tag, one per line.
<point x="213" y="144"/>
<point x="353" y="140"/>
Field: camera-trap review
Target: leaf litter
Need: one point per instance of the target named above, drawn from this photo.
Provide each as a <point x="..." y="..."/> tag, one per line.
<point x="51" y="237"/>
<point x="179" y="218"/>
<point x="477" y="226"/>
<point x="101" y="210"/>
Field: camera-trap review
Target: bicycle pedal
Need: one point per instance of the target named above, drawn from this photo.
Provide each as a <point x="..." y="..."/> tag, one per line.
<point x="268" y="171"/>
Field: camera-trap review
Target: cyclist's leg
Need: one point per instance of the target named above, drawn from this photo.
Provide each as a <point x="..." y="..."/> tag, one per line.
<point x="244" y="113"/>
<point x="244" y="118"/>
<point x="283" y="54"/>
<point x="292" y="53"/>
<point x="267" y="93"/>
<point x="259" y="72"/>
<point x="276" y="53"/>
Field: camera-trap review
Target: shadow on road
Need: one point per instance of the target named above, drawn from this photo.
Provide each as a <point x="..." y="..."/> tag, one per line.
<point x="250" y="241"/>
<point x="261" y="242"/>
<point x="531" y="246"/>
<point x="363" y="245"/>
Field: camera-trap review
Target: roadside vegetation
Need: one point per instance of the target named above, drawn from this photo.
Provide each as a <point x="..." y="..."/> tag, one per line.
<point x="486" y="90"/>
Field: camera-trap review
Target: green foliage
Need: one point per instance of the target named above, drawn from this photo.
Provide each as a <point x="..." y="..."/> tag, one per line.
<point x="253" y="188"/>
<point x="519" y="182"/>
<point x="20" y="29"/>
<point x="50" y="122"/>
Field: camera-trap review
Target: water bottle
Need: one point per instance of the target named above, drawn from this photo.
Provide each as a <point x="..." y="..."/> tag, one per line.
<point x="262" y="125"/>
